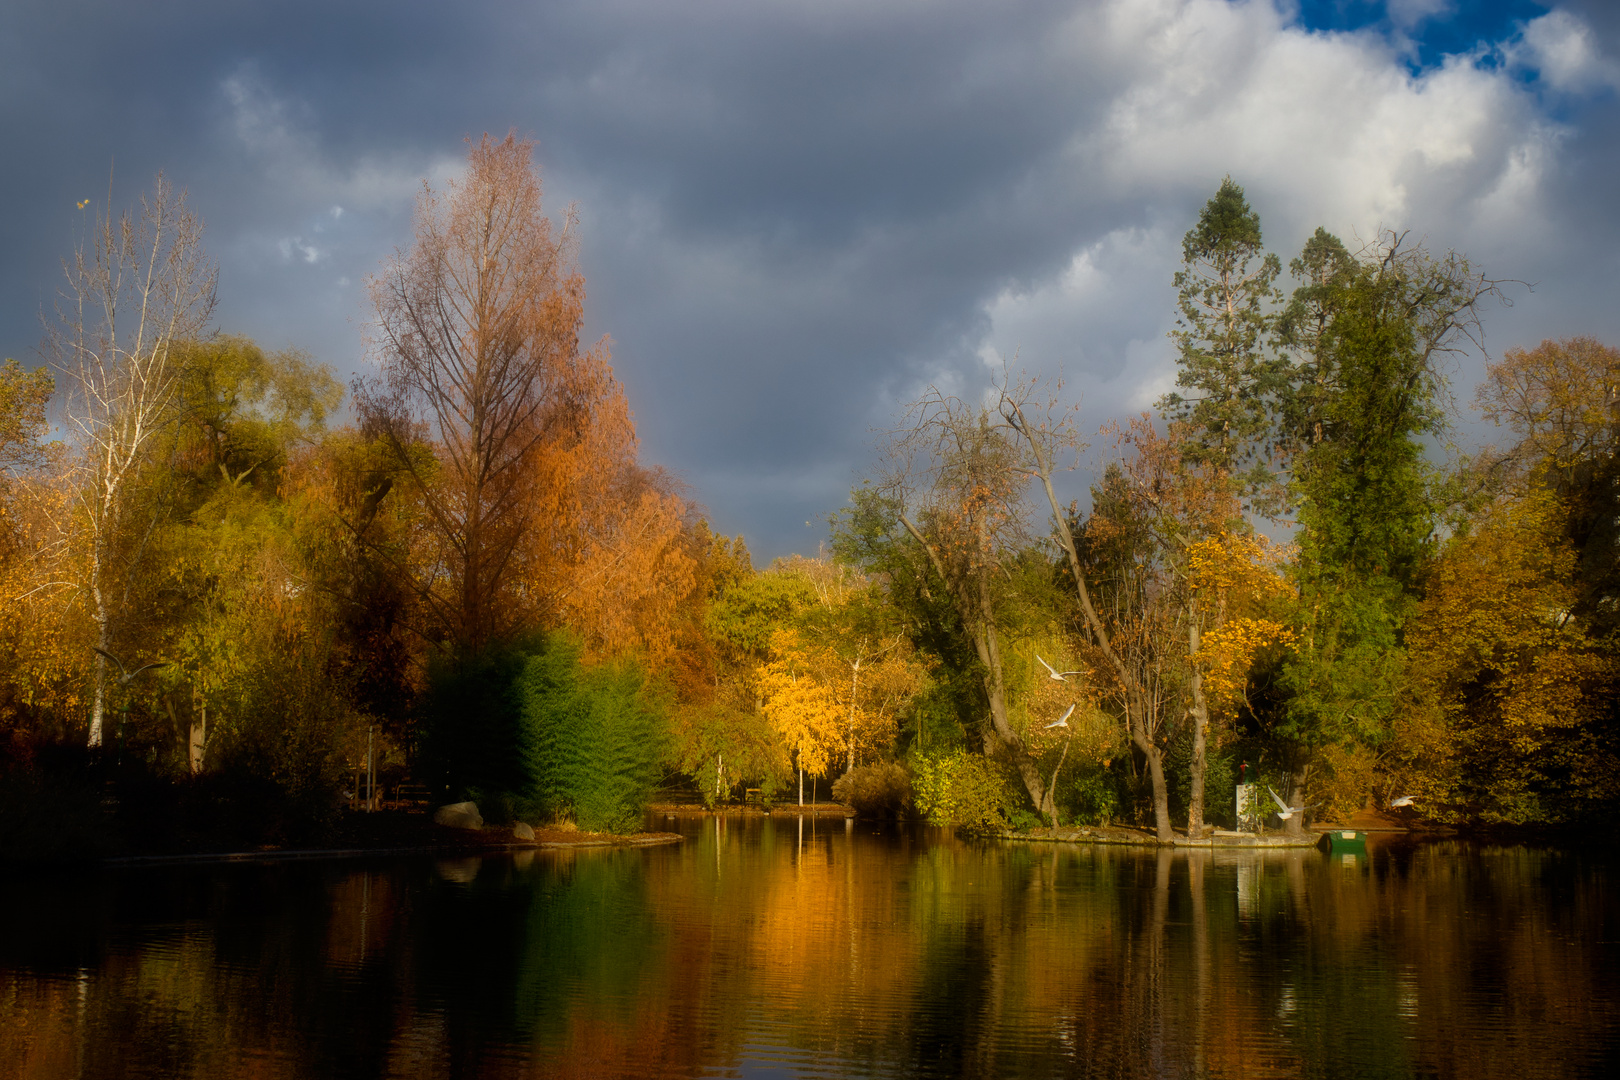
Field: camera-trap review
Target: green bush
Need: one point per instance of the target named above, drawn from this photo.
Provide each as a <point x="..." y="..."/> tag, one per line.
<point x="880" y="790"/>
<point x="1089" y="796"/>
<point x="596" y="736"/>
<point x="966" y="790"/>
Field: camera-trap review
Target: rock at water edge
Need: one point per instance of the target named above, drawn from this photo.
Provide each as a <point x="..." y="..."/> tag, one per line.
<point x="459" y="815"/>
<point x="522" y="831"/>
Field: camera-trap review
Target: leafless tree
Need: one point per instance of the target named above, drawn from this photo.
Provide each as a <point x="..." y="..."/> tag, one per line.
<point x="1131" y="646"/>
<point x="135" y="288"/>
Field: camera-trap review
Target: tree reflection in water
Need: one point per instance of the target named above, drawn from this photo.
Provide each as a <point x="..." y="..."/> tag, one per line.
<point x="841" y="950"/>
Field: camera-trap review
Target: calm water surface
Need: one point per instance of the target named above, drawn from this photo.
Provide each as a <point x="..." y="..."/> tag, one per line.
<point x="781" y="948"/>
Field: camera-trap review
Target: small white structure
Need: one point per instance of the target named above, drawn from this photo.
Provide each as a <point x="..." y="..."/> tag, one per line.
<point x="1249" y="811"/>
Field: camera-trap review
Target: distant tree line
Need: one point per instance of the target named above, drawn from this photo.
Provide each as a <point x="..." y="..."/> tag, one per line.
<point x="220" y="582"/>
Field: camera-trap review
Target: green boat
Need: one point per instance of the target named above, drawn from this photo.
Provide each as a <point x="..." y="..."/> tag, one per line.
<point x="1344" y="841"/>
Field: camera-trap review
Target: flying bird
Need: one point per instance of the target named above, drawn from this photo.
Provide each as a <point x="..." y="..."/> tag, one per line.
<point x="1284" y="811"/>
<point x="1060" y="676"/>
<point x="124" y="673"/>
<point x="1402" y="800"/>
<point x="1062" y="721"/>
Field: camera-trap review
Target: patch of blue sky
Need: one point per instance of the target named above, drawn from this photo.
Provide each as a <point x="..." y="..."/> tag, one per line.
<point x="1431" y="29"/>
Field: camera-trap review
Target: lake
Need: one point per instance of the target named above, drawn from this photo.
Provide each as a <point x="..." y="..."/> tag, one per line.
<point x="789" y="947"/>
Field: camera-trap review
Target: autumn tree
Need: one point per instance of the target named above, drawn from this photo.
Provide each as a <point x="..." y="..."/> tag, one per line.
<point x="1562" y="400"/>
<point x="802" y="707"/>
<point x="135" y="289"/>
<point x="607" y="552"/>
<point x="233" y="554"/>
<point x="477" y="337"/>
<point x="242" y="411"/>
<point x="955" y="483"/>
<point x="24" y="396"/>
<point x="871" y="665"/>
<point x="722" y="734"/>
<point x="1508" y="710"/>
<point x="42" y="657"/>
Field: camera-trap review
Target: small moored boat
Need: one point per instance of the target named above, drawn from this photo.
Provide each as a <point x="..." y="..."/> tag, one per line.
<point x="1337" y="841"/>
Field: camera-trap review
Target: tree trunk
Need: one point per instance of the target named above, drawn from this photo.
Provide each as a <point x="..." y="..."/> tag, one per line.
<point x="197" y="744"/>
<point x="1295" y="825"/>
<point x="1051" y="789"/>
<point x="98" y="701"/>
<point x="1155" y="762"/>
<point x="1161" y="795"/>
<point x="854" y="687"/>
<point x="1200" y="747"/>
<point x="988" y="644"/>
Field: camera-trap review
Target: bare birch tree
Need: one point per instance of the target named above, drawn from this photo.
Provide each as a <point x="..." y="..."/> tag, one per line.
<point x="135" y="288"/>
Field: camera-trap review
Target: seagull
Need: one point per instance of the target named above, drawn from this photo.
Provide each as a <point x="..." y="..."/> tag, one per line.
<point x="1060" y="676"/>
<point x="126" y="674"/>
<point x="1402" y="800"/>
<point x="1062" y="721"/>
<point x="1284" y="811"/>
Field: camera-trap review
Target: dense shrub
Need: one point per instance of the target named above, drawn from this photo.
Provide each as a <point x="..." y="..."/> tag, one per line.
<point x="280" y="744"/>
<point x="474" y="738"/>
<point x="880" y="790"/>
<point x="1088" y="795"/>
<point x="967" y="790"/>
<point x="598" y="736"/>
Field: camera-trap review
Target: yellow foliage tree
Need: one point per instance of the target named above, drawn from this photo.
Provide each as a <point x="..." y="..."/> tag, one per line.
<point x="1509" y="698"/>
<point x="1234" y="575"/>
<point x="802" y="708"/>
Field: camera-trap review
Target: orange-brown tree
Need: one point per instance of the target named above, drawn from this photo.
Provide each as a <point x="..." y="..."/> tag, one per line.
<point x="477" y="335"/>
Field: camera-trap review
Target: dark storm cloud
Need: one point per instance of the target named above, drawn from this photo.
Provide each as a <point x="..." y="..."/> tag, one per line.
<point x="795" y="215"/>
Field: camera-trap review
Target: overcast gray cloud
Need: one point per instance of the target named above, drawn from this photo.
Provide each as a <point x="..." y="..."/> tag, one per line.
<point x="796" y="215"/>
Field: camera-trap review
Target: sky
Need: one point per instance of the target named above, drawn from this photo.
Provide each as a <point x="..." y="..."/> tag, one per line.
<point x="797" y="215"/>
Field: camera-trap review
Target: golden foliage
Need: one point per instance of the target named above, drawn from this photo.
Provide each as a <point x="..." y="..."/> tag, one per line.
<point x="802" y="708"/>
<point x="1507" y="695"/>
<point x="1233" y="573"/>
<point x="1560" y="397"/>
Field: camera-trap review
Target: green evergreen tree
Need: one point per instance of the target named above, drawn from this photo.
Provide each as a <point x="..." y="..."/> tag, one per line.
<point x="1228" y="376"/>
<point x="1365" y="396"/>
<point x="596" y="736"/>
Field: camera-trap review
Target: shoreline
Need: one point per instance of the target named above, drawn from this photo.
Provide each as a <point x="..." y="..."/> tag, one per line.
<point x="820" y="809"/>
<point x="1122" y="837"/>
<point x="456" y="848"/>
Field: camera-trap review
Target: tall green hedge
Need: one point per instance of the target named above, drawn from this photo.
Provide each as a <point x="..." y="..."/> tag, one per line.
<point x="598" y="735"/>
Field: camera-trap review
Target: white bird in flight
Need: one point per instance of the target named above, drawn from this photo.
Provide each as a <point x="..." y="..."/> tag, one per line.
<point x="1402" y="800"/>
<point x="1060" y="676"/>
<point x="1284" y="811"/>
<point x="1062" y="721"/>
<point x="124" y="673"/>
